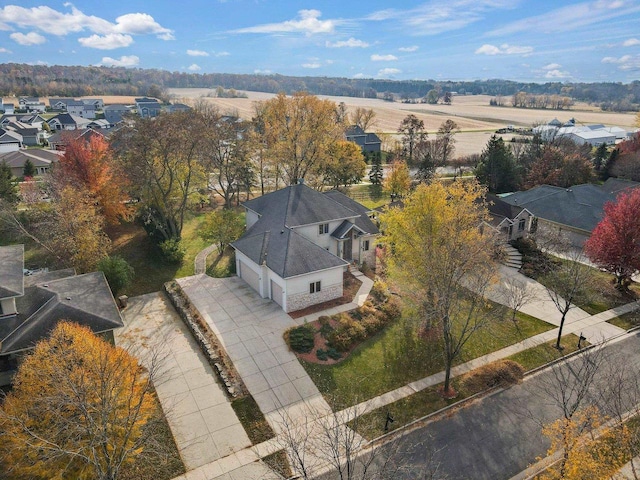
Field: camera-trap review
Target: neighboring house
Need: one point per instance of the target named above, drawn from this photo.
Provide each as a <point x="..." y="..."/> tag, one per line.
<point x="10" y="141"/>
<point x="299" y="242"/>
<point x="24" y="102"/>
<point x="67" y="121"/>
<point x="511" y="221"/>
<point x="575" y="211"/>
<point x="58" y="140"/>
<point x="177" y="107"/>
<point x="36" y="107"/>
<point x="114" y="113"/>
<point x="148" y="107"/>
<point x="368" y="142"/>
<point x="102" y="123"/>
<point x="31" y="306"/>
<point x="31" y="135"/>
<point x="42" y="160"/>
<point x="59" y="104"/>
<point x="8" y="108"/>
<point x="98" y="103"/>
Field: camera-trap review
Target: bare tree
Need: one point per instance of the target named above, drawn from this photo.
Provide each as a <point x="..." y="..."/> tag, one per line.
<point x="516" y="294"/>
<point x="365" y="118"/>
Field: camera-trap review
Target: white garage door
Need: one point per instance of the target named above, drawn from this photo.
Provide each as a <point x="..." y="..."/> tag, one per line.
<point x="249" y="276"/>
<point x="276" y="293"/>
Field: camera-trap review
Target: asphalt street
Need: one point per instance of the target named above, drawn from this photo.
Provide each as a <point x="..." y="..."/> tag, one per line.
<point x="499" y="436"/>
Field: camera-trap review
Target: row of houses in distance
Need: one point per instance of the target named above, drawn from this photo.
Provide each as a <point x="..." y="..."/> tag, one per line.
<point x="594" y="135"/>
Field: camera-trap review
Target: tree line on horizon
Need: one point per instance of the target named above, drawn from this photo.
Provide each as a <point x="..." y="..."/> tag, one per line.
<point x="44" y="80"/>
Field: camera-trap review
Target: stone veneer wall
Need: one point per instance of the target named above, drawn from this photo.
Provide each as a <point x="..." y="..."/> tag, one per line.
<point x="369" y="257"/>
<point x="304" y="300"/>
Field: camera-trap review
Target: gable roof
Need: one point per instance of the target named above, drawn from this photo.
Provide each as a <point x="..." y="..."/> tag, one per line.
<point x="70" y="119"/>
<point x="273" y="239"/>
<point x="302" y="206"/>
<point x="39" y="157"/>
<point x="580" y="206"/>
<point x="9" y="136"/>
<point x="11" y="276"/>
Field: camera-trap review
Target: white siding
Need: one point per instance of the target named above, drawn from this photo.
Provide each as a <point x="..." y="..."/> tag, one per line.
<point x="249" y="271"/>
<point x="325" y="240"/>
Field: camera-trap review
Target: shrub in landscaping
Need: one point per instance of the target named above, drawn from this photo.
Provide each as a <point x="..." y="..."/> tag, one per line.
<point x="172" y="250"/>
<point x="502" y="373"/>
<point x="325" y="329"/>
<point x="391" y="309"/>
<point x="334" y="354"/>
<point x="322" y="354"/>
<point x="301" y="339"/>
<point x="118" y="272"/>
<point x="347" y="332"/>
<point x="365" y="310"/>
<point x="380" y="291"/>
<point x="373" y="323"/>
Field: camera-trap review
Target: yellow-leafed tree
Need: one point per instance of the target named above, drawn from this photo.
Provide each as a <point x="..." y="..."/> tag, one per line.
<point x="78" y="409"/>
<point x="398" y="180"/>
<point x="442" y="260"/>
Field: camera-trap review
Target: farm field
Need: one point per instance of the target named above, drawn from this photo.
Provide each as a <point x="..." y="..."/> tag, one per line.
<point x="476" y="119"/>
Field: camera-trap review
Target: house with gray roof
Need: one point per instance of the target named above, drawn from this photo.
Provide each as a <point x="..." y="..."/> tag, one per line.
<point x="574" y="211"/>
<point x="368" y="142"/>
<point x="510" y="221"/>
<point x="42" y="160"/>
<point x="10" y="141"/>
<point x="299" y="242"/>
<point x="31" y="306"/>
<point x="67" y="121"/>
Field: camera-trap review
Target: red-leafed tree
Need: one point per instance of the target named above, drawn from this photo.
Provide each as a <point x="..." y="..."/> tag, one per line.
<point x="614" y="244"/>
<point x="90" y="167"/>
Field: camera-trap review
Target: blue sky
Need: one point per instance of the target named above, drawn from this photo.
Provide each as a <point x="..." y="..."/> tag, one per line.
<point x="457" y="39"/>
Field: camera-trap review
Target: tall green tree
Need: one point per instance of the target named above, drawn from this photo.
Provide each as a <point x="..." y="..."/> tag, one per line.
<point x="221" y="228"/>
<point x="346" y="165"/>
<point x="376" y="173"/>
<point x="497" y="169"/>
<point x="8" y="187"/>
<point x="29" y="170"/>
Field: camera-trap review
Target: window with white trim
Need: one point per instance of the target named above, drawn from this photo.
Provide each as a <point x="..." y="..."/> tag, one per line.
<point x="315" y="287"/>
<point x="521" y="224"/>
<point x="323" y="228"/>
<point x="365" y="245"/>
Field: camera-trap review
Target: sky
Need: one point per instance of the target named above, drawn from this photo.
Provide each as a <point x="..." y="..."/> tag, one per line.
<point x="532" y="41"/>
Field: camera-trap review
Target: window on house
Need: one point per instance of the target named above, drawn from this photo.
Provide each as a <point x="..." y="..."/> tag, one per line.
<point x="521" y="224"/>
<point x="314" y="287"/>
<point x="365" y="245"/>
<point x="323" y="228"/>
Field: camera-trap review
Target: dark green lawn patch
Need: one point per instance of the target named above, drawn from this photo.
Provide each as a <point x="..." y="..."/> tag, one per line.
<point x="252" y="420"/>
<point x="542" y="354"/>
<point x="627" y="320"/>
<point x="221" y="266"/>
<point x="398" y="355"/>
<point x="279" y="463"/>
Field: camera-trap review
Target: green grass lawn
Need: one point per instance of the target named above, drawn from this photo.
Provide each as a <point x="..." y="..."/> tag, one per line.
<point x="424" y="402"/>
<point x="398" y="356"/>
<point x="219" y="266"/>
<point x="627" y="320"/>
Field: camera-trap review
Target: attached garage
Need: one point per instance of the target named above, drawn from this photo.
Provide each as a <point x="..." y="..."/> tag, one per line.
<point x="276" y="293"/>
<point x="249" y="276"/>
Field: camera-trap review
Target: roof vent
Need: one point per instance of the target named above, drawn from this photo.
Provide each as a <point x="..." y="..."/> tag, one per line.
<point x="301" y="181"/>
<point x="69" y="298"/>
<point x="281" y="232"/>
<point x="46" y="285"/>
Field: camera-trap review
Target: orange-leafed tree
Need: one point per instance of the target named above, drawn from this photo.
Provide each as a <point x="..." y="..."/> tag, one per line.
<point x="80" y="408"/>
<point x="614" y="244"/>
<point x="90" y="166"/>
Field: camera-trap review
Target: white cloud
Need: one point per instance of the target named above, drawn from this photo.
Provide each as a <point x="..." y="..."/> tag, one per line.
<point x="197" y="53"/>
<point x="31" y="38"/>
<point x="351" y="43"/>
<point x="631" y="42"/>
<point x="257" y="71"/>
<point x="412" y="48"/>
<point x="383" y="58"/>
<point x="221" y="54"/>
<point x="307" y="22"/>
<point x="570" y="17"/>
<point x="54" y="22"/>
<point x="106" y="42"/>
<point x="311" y="65"/>
<point x="194" y="67"/>
<point x="556" y="74"/>
<point x="552" y="66"/>
<point x="386" y="72"/>
<point x="359" y="75"/>
<point x="4" y="50"/>
<point x="434" y="17"/>
<point x="124" y="61"/>
<point x="504" y="49"/>
<point x="625" y="63"/>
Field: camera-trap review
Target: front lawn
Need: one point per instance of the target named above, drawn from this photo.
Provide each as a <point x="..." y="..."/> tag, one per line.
<point x="220" y="266"/>
<point x="627" y="320"/>
<point x="398" y="356"/>
<point x="427" y="401"/>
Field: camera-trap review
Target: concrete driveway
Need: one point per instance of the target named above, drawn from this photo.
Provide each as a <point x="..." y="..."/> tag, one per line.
<point x="250" y="329"/>
<point x="200" y="416"/>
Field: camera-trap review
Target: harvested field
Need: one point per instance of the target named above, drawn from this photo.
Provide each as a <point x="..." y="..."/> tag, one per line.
<point x="476" y="119"/>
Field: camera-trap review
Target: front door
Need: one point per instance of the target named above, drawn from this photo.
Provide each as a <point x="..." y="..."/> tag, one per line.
<point x="347" y="252"/>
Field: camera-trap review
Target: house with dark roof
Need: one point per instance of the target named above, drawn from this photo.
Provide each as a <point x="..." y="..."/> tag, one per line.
<point x="31" y="306"/>
<point x="10" y="141"/>
<point x="148" y="107"/>
<point x="511" y="221"/>
<point x="299" y="242"/>
<point x="59" y="140"/>
<point x="574" y="211"/>
<point x="42" y="160"/>
<point x="114" y="113"/>
<point x="368" y="142"/>
<point x="67" y="121"/>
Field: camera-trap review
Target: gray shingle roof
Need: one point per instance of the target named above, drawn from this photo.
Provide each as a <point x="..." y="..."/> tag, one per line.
<point x="363" y="222"/>
<point x="11" y="276"/>
<point x="580" y="206"/>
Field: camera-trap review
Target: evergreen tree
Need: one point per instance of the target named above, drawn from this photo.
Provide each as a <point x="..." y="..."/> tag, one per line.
<point x="29" y="170"/>
<point x="8" y="189"/>
<point x="601" y="154"/>
<point x="606" y="171"/>
<point x="497" y="169"/>
<point x="376" y="173"/>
